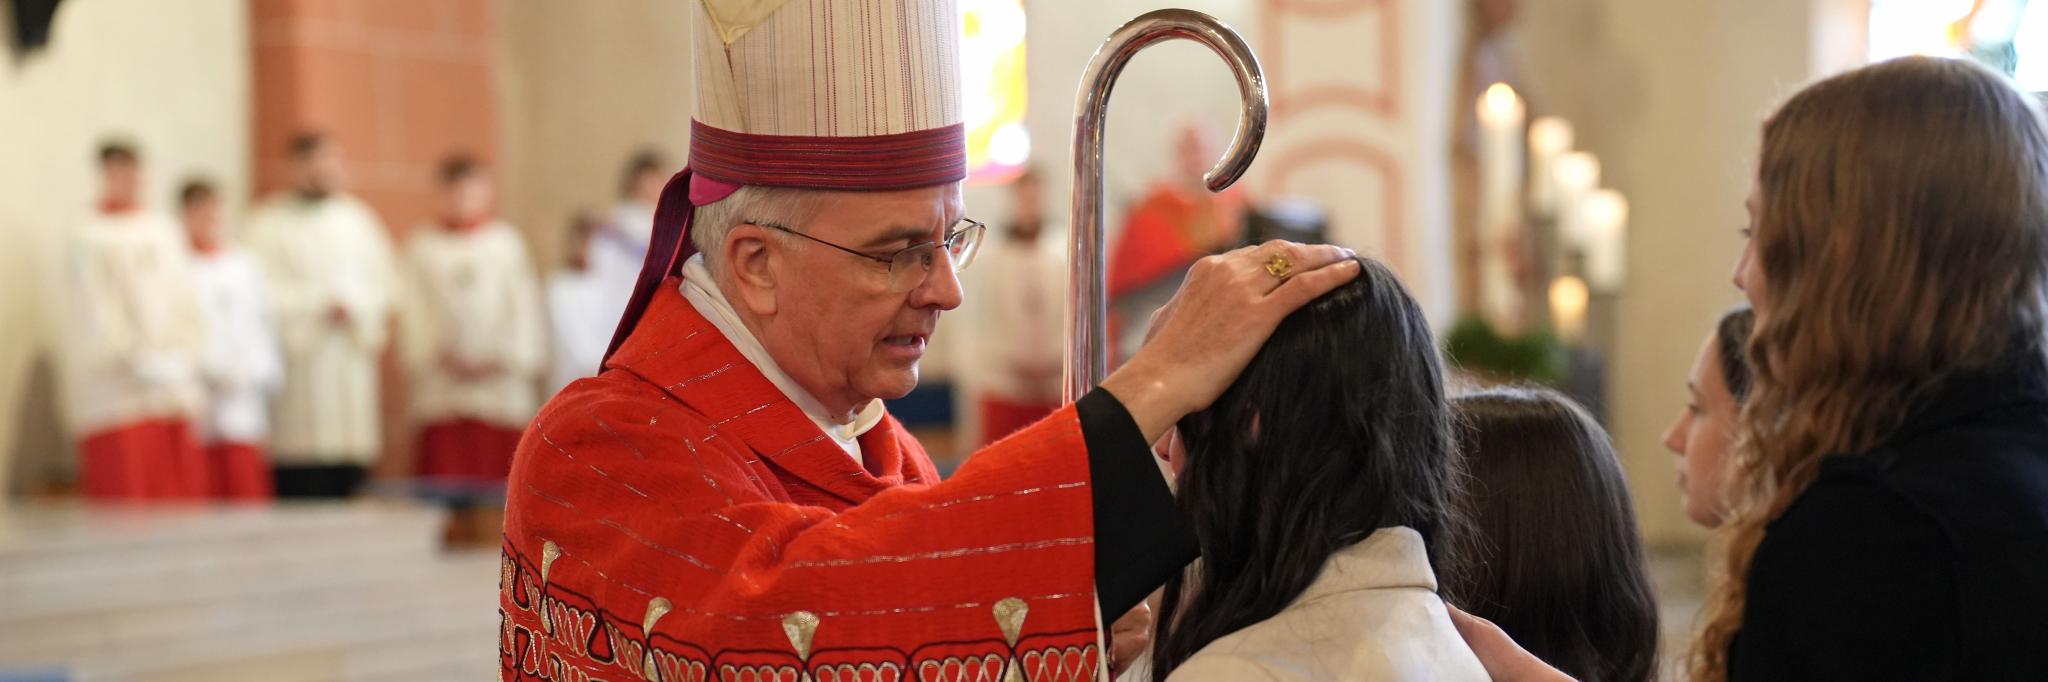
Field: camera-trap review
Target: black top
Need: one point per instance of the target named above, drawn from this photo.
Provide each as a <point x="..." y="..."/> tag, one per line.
<point x="1925" y="559"/>
<point x="1140" y="536"/>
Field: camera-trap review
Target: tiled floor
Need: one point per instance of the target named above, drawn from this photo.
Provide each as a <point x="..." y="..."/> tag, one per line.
<point x="360" y="591"/>
<point x="342" y="592"/>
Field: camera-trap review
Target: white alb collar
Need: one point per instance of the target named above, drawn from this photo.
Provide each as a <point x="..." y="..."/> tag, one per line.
<point x="702" y="291"/>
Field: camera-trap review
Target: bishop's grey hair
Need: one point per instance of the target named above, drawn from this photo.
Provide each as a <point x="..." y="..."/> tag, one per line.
<point x="783" y="206"/>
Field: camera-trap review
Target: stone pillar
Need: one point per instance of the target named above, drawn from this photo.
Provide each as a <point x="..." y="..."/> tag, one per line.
<point x="399" y="84"/>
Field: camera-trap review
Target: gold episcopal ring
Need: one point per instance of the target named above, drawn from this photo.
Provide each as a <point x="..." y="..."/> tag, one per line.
<point x="1279" y="267"/>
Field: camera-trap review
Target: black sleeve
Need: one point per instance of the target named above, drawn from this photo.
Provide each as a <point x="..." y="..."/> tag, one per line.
<point x="1852" y="582"/>
<point x="1140" y="538"/>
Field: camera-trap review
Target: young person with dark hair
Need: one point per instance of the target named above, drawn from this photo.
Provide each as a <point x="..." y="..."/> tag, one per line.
<point x="580" y="324"/>
<point x="1021" y="338"/>
<point x="241" y="364"/>
<point x="332" y="282"/>
<point x="619" y="247"/>
<point x="132" y="346"/>
<point x="1320" y="488"/>
<point x="1556" y="559"/>
<point x="471" y="335"/>
<point x="1704" y="433"/>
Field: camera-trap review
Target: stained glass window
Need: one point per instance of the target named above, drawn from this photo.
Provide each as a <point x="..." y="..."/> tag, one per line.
<point x="992" y="81"/>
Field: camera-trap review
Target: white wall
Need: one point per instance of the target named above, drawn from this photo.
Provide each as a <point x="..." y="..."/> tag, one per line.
<point x="1171" y="83"/>
<point x="171" y="76"/>
<point x="1670" y="96"/>
<point x="586" y="85"/>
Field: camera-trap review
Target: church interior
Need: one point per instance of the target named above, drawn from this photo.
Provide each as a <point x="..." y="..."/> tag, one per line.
<point x="1559" y="183"/>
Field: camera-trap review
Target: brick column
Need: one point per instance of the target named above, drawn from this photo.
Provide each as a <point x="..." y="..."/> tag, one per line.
<point x="397" y="83"/>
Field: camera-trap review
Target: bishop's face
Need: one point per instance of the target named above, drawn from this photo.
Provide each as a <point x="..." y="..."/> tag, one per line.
<point x="839" y="327"/>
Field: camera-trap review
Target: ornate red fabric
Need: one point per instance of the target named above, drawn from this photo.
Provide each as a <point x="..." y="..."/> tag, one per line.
<point x="871" y="163"/>
<point x="677" y="518"/>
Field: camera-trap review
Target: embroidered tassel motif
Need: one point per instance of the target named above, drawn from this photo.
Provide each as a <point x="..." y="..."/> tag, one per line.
<point x="802" y="628"/>
<point x="1010" y="614"/>
<point x="656" y="608"/>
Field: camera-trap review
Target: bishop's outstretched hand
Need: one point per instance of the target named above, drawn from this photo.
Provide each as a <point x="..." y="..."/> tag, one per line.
<point x="1225" y="309"/>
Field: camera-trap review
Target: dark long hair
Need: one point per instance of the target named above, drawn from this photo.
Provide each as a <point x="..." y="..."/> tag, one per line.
<point x="1731" y="346"/>
<point x="1555" y="557"/>
<point x="1337" y="428"/>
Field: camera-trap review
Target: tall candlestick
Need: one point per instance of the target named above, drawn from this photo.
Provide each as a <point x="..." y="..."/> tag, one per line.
<point x="1550" y="138"/>
<point x="1604" y="214"/>
<point x="1577" y="174"/>
<point x="1501" y="115"/>
<point x="1568" y="299"/>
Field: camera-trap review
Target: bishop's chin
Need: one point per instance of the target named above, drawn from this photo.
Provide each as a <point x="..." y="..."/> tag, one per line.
<point x="892" y="382"/>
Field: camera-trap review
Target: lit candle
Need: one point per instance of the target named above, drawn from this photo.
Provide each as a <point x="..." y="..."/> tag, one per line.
<point x="1604" y="214"/>
<point x="1568" y="298"/>
<point x="1501" y="114"/>
<point x="1576" y="175"/>
<point x="1550" y="138"/>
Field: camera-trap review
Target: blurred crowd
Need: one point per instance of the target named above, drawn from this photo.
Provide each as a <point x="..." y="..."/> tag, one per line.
<point x="206" y="355"/>
<point x="202" y="356"/>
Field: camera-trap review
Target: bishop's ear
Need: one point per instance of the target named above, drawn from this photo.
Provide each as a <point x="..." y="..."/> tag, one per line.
<point x="752" y="264"/>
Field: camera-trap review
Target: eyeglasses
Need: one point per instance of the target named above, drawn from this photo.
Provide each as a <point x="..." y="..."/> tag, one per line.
<point x="911" y="266"/>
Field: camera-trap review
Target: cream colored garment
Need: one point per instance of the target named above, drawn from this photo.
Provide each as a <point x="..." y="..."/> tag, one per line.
<point x="315" y="255"/>
<point x="471" y="295"/>
<point x="702" y="292"/>
<point x="1373" y="614"/>
<point x="1022" y="334"/>
<point x="827" y="68"/>
<point x="133" y="332"/>
<point x="242" y="364"/>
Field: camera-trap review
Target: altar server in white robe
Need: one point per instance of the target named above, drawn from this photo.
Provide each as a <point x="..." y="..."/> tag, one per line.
<point x="1022" y="341"/>
<point x="241" y="364"/>
<point x="331" y="281"/>
<point x="581" y="312"/>
<point x="620" y="246"/>
<point x="131" y="345"/>
<point x="473" y="337"/>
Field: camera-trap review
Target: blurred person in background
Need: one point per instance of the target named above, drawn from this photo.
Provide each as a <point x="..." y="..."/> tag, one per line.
<point x="330" y="279"/>
<point x="619" y="247"/>
<point x="471" y="337"/>
<point x="1178" y="221"/>
<point x="241" y="364"/>
<point x="577" y="312"/>
<point x="133" y="341"/>
<point x="1024" y="334"/>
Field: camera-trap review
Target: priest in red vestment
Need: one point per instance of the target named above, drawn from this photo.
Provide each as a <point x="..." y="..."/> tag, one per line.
<point x="729" y="499"/>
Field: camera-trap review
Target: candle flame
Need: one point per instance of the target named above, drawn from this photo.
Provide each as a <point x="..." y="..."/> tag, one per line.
<point x="1606" y="210"/>
<point x="1568" y="297"/>
<point x="1578" y="172"/>
<point x="1550" y="135"/>
<point x="1500" y="101"/>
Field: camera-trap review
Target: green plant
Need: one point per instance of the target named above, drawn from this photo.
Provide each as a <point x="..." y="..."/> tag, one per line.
<point x="1535" y="356"/>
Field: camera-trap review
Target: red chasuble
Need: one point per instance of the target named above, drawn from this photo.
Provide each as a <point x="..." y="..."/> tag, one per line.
<point x="678" y="518"/>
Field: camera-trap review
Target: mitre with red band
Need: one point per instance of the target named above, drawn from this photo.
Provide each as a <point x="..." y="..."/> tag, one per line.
<point x="847" y="95"/>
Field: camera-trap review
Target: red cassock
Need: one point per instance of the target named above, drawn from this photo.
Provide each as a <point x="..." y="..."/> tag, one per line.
<point x="240" y="471"/>
<point x="146" y="459"/>
<point x="677" y="518"/>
